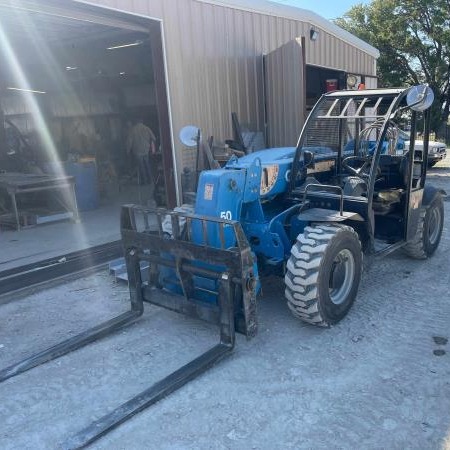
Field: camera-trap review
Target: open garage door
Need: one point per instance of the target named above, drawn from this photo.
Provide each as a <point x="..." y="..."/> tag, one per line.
<point x="73" y="80"/>
<point x="285" y="94"/>
<point x="320" y="80"/>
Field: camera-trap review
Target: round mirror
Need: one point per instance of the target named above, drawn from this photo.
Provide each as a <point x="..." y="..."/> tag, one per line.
<point x="420" y="98"/>
<point x="189" y="135"/>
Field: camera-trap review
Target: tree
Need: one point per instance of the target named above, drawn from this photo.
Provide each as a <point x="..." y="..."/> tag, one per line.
<point x="413" y="37"/>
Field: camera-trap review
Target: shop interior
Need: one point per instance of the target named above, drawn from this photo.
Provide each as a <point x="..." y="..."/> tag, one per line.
<point x="71" y="93"/>
<point x="320" y="80"/>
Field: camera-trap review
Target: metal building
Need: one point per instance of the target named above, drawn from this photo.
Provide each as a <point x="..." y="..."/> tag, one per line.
<point x="265" y="61"/>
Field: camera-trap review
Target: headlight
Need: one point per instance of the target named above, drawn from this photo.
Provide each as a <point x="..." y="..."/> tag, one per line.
<point x="269" y="177"/>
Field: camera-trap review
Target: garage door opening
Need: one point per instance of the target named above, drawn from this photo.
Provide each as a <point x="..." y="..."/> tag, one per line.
<point x="320" y="80"/>
<point x="72" y="90"/>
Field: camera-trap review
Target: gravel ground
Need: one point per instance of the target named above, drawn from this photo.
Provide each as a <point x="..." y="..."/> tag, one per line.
<point x="380" y="379"/>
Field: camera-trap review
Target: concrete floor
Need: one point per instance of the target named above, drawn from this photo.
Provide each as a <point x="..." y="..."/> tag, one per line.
<point x="53" y="239"/>
<point x="380" y="379"/>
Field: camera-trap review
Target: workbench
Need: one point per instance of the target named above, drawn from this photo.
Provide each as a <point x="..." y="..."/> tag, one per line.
<point x="23" y="183"/>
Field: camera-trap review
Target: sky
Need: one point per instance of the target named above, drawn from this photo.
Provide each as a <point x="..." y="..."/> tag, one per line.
<point x="330" y="9"/>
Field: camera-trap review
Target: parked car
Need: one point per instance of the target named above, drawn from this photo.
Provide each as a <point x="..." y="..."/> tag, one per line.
<point x="437" y="151"/>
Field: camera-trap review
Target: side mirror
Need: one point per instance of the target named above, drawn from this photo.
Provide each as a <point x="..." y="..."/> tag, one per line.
<point x="308" y="158"/>
<point x="420" y="98"/>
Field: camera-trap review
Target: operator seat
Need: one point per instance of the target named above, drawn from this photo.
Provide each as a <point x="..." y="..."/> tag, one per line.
<point x="354" y="186"/>
<point x="395" y="170"/>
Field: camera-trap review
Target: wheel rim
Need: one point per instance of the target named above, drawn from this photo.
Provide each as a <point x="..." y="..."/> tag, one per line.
<point x="342" y="275"/>
<point x="434" y="225"/>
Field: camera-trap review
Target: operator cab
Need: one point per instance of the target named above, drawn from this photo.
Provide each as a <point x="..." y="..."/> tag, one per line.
<point x="352" y="150"/>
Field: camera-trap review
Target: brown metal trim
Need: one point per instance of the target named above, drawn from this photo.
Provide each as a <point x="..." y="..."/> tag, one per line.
<point x="162" y="105"/>
<point x="303" y="45"/>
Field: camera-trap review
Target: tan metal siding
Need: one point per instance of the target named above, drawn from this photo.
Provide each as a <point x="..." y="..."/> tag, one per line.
<point x="371" y="82"/>
<point x="214" y="59"/>
<point x="285" y="94"/>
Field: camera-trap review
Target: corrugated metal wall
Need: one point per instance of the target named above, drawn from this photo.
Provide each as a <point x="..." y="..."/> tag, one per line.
<point x="214" y="59"/>
<point x="371" y="82"/>
<point x="285" y="94"/>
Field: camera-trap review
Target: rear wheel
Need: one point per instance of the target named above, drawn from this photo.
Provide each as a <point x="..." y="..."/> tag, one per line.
<point x="429" y="230"/>
<point x="323" y="273"/>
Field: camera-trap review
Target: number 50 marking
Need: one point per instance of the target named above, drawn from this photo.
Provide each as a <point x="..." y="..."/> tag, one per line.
<point x="225" y="215"/>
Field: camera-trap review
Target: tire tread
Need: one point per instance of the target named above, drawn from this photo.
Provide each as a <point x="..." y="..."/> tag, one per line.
<point x="302" y="271"/>
<point x="417" y="247"/>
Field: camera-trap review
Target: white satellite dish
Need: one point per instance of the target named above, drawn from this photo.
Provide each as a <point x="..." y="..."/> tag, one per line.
<point x="420" y="98"/>
<point x="189" y="135"/>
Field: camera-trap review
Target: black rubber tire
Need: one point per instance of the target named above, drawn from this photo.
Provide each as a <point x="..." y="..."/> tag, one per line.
<point x="421" y="247"/>
<point x="310" y="268"/>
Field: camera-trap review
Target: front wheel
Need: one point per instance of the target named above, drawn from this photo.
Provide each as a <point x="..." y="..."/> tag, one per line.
<point x="429" y="230"/>
<point x="323" y="273"/>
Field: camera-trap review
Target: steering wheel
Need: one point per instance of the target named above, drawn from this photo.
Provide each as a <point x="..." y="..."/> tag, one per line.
<point x="364" y="163"/>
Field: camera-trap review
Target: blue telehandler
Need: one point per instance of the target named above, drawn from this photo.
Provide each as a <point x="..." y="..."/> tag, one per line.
<point x="350" y="187"/>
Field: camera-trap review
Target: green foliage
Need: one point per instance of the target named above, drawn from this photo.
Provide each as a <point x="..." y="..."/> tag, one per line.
<point x="413" y="37"/>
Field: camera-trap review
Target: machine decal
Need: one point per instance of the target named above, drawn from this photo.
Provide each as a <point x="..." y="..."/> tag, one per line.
<point x="268" y="178"/>
<point x="226" y="215"/>
<point x="209" y="190"/>
<point x="321" y="166"/>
